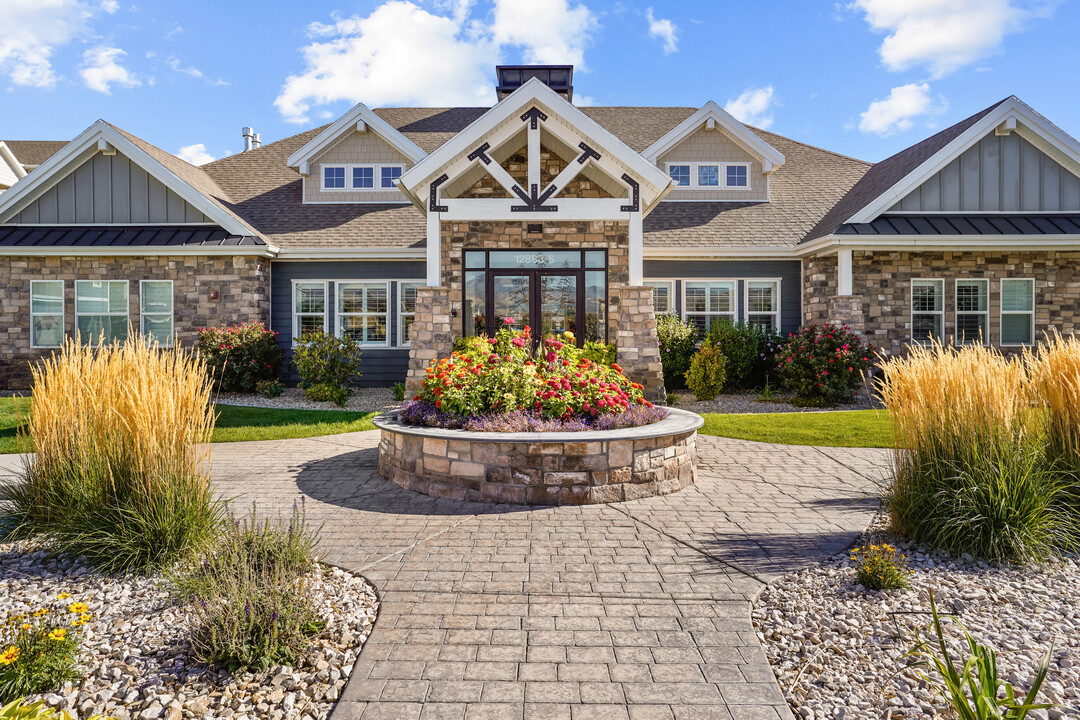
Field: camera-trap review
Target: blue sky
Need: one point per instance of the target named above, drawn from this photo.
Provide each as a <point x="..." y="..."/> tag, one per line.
<point x="865" y="78"/>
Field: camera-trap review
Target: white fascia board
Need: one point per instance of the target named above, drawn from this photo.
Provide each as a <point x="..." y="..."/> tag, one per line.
<point x="267" y="251"/>
<point x="86" y="143"/>
<point x="351" y="253"/>
<point x="533" y="91"/>
<point x="1032" y="124"/>
<point x="719" y="253"/>
<point x="941" y="243"/>
<point x="11" y="161"/>
<point x="725" y="120"/>
<point x="348" y="123"/>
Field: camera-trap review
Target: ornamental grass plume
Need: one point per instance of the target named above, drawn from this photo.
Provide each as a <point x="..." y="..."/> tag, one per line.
<point x="120" y="472"/>
<point x="971" y="473"/>
<point x="1054" y="370"/>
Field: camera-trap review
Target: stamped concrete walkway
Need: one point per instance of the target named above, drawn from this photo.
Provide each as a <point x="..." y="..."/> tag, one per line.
<point x="636" y="610"/>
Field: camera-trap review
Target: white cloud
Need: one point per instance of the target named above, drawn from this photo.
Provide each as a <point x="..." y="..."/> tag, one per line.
<point x="754" y="106"/>
<point x="899" y="111"/>
<point x="402" y="53"/>
<point x="195" y="154"/>
<point x="174" y="63"/>
<point x="663" y="29"/>
<point x="32" y="30"/>
<point x="101" y="69"/>
<point x="946" y="35"/>
<point x="109" y="6"/>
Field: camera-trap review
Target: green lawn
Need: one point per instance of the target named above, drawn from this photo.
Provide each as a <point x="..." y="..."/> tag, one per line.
<point x="854" y="428"/>
<point x="234" y="423"/>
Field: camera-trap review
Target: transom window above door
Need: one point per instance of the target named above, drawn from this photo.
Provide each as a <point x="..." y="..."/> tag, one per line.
<point x="365" y="177"/>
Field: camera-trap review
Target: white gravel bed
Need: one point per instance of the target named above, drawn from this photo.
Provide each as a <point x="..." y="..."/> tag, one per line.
<point x="836" y="648"/>
<point x="362" y="400"/>
<point x="137" y="661"/>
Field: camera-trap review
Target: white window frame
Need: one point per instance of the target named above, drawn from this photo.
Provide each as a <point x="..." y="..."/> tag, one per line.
<point x="721" y="169"/>
<point x="710" y="317"/>
<point x="670" y="284"/>
<point x="401" y="314"/>
<point x="724" y="178"/>
<point x="63" y="315"/>
<point x="127" y="307"/>
<point x="911" y="308"/>
<point x="776" y="300"/>
<point x="376" y="182"/>
<point x="297" y="315"/>
<point x="172" y="310"/>
<point x="957" y="312"/>
<point x="339" y="327"/>
<point x="1002" y="312"/>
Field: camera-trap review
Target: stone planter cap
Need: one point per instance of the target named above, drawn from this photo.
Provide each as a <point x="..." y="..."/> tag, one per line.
<point x="676" y="423"/>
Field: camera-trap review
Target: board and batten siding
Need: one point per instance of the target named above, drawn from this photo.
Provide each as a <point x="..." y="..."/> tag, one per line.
<point x="109" y="189"/>
<point x="380" y="366"/>
<point x="1000" y="173"/>
<point x="788" y="271"/>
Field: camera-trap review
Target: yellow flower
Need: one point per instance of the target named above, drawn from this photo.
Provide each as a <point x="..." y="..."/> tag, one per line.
<point x="63" y="596"/>
<point x="26" y="626"/>
<point x="10" y="655"/>
<point x="41" y="613"/>
<point x="58" y="634"/>
<point x="79" y="607"/>
<point x="86" y="617"/>
<point x="78" y="623"/>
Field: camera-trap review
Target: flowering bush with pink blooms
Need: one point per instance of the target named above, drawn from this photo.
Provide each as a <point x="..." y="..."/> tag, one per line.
<point x="240" y="356"/>
<point x="506" y="375"/>
<point x="824" y="364"/>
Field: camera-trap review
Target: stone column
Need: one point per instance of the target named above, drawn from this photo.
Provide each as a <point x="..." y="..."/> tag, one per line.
<point x="431" y="333"/>
<point x="639" y="349"/>
<point x="847" y="310"/>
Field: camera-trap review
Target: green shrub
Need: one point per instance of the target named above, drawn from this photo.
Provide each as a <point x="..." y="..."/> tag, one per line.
<point x="763" y="371"/>
<point x="326" y="392"/>
<point x="824" y="365"/>
<point x="398" y="389"/>
<point x="240" y="356"/>
<point x="269" y="388"/>
<point x="119" y="473"/>
<point x="678" y="342"/>
<point x="39" y="647"/>
<point x="600" y="352"/>
<point x="707" y="373"/>
<point x="21" y="710"/>
<point x="474" y="346"/>
<point x="971" y="468"/>
<point x="880" y="567"/>
<point x="738" y="343"/>
<point x="975" y="690"/>
<point x="250" y="594"/>
<point x="326" y="361"/>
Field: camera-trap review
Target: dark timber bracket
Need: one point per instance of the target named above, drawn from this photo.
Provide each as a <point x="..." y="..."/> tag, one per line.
<point x="533" y="115"/>
<point x="534" y="202"/>
<point x="635" y="195"/>
<point x="433" y="194"/>
<point x="586" y="153"/>
<point x="481" y="152"/>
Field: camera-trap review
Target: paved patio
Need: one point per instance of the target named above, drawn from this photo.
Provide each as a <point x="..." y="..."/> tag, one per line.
<point x="636" y="610"/>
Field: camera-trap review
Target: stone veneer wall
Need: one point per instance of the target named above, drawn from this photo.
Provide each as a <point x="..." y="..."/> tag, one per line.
<point x="517" y="166"/>
<point x="538" y="473"/>
<point x="611" y="236"/>
<point x="639" y="347"/>
<point x="242" y="283"/>
<point x="431" y="333"/>
<point x="882" y="284"/>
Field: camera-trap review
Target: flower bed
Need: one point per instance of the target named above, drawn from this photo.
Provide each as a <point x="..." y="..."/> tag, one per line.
<point x="504" y="385"/>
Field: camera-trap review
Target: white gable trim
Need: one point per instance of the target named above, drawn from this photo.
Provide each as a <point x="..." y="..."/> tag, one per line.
<point x="100" y="137"/>
<point x="1012" y="114"/>
<point x="11" y="161"/>
<point x="655" y="181"/>
<point x="771" y="157"/>
<point x="359" y="118"/>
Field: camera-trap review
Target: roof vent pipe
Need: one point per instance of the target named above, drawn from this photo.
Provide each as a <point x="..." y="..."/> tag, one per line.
<point x="257" y="142"/>
<point x="249" y="138"/>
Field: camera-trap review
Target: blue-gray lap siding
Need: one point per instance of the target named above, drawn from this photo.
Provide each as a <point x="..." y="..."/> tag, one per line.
<point x="381" y="366"/>
<point x="789" y="272"/>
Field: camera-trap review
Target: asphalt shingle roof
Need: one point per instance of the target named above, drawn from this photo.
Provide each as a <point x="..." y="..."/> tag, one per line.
<point x="34" y="152"/>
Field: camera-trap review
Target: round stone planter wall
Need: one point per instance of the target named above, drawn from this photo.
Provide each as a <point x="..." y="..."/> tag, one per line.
<point x="561" y="468"/>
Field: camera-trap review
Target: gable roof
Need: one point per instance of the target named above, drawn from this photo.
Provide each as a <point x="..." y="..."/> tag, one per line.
<point x="186" y="180"/>
<point x="346" y="124"/>
<point x="34" y="152"/>
<point x="738" y="131"/>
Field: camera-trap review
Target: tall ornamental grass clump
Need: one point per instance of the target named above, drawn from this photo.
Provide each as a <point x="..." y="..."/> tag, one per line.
<point x="971" y="472"/>
<point x="1055" y="380"/>
<point x="120" y="472"/>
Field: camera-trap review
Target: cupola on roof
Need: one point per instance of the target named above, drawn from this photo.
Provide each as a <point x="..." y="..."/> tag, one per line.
<point x="557" y="77"/>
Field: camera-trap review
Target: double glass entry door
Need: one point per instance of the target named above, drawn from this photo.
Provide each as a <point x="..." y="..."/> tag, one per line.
<point x="551" y="292"/>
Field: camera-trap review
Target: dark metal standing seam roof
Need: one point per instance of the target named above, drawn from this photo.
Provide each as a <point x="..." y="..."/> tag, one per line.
<point x="122" y="237"/>
<point x="991" y="225"/>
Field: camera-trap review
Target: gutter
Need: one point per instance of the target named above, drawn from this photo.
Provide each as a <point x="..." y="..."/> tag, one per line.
<point x="939" y="243"/>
